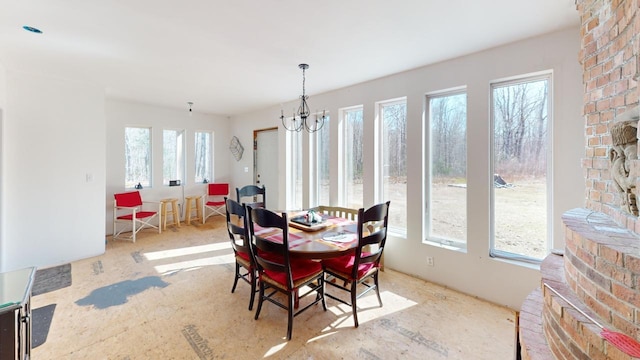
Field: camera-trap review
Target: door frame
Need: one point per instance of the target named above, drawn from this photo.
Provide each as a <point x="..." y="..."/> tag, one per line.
<point x="255" y="151"/>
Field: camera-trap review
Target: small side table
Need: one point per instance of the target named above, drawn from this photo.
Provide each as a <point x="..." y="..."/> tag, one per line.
<point x="173" y="211"/>
<point x="192" y="201"/>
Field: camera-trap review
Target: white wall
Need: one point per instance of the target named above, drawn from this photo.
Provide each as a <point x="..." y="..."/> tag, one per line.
<point x="472" y="271"/>
<point x="121" y="114"/>
<point x="3" y="106"/>
<point x="52" y="138"/>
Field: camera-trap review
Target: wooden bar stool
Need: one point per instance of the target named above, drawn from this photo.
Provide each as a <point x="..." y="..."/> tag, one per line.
<point x="190" y="203"/>
<point x="174" y="211"/>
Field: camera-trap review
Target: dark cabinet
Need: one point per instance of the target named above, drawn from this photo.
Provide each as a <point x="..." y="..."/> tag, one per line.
<point x="15" y="314"/>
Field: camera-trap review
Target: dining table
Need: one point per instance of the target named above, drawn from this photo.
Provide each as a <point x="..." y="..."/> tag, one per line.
<point x="329" y="238"/>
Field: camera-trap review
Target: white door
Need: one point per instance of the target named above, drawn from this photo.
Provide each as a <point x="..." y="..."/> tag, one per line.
<point x="266" y="164"/>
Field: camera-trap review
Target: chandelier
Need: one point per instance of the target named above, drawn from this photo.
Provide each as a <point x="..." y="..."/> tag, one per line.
<point x="300" y="119"/>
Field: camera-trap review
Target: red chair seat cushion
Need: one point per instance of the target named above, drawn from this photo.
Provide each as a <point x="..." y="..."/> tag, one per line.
<point x="139" y="215"/>
<point x="265" y="255"/>
<point x="244" y="255"/>
<point x="344" y="265"/>
<point x="215" y="203"/>
<point x="300" y="269"/>
<point x="273" y="257"/>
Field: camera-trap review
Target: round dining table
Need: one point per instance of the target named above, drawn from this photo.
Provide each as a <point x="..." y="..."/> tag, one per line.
<point x="333" y="237"/>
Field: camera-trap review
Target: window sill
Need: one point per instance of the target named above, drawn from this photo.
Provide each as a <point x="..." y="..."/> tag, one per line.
<point x="446" y="244"/>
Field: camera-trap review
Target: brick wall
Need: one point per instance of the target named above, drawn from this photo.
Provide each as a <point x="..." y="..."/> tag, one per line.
<point x="609" y="57"/>
<point x="600" y="270"/>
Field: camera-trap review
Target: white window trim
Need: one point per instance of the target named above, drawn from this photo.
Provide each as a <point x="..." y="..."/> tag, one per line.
<point x="525" y="78"/>
<point x="440" y="241"/>
<point x="379" y="156"/>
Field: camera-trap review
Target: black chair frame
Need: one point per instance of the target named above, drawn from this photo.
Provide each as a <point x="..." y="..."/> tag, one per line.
<point x="272" y="256"/>
<point x="252" y="191"/>
<point x="375" y="219"/>
<point x="239" y="237"/>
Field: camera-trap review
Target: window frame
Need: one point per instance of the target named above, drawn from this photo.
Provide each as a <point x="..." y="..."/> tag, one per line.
<point x="379" y="181"/>
<point x="450" y="243"/>
<point x="519" y="79"/>
<point x="210" y="160"/>
<point x="149" y="182"/>
<point x="343" y="197"/>
<point x="314" y="178"/>
<point x="294" y="159"/>
<point x="180" y="161"/>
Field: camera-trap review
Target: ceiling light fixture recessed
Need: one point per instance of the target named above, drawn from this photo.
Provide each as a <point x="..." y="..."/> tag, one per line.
<point x="32" y="29"/>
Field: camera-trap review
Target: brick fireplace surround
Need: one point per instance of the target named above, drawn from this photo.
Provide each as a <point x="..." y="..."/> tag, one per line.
<point x="600" y="269"/>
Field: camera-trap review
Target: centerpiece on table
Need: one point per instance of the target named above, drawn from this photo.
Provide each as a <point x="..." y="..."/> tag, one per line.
<point x="309" y="221"/>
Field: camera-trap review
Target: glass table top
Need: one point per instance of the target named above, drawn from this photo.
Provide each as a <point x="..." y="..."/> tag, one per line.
<point x="15" y="286"/>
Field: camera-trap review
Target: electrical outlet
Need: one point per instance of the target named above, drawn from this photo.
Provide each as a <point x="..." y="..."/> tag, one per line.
<point x="429" y="260"/>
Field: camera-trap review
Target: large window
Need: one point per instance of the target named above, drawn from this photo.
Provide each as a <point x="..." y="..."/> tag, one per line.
<point x="352" y="195"/>
<point x="323" y="146"/>
<point x="295" y="188"/>
<point x="447" y="166"/>
<point x="521" y="138"/>
<point x="172" y="155"/>
<point x="393" y="160"/>
<point x="137" y="152"/>
<point x="203" y="157"/>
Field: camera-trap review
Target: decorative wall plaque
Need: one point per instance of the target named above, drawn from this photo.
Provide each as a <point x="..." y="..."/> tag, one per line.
<point x="236" y="148"/>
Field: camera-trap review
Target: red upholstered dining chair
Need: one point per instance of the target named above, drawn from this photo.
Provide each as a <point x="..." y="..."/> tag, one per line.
<point x="277" y="271"/>
<point x="252" y="195"/>
<point x="239" y="236"/>
<point x="215" y="199"/>
<point x="355" y="269"/>
<point x="128" y="210"/>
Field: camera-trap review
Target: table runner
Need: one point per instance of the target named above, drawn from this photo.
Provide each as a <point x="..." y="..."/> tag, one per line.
<point x="294" y="240"/>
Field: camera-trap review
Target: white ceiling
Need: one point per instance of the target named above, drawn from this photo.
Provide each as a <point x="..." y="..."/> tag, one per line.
<point x="235" y="56"/>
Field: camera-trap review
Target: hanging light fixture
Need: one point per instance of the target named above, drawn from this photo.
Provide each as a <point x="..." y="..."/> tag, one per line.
<point x="190" y="107"/>
<point x="300" y="119"/>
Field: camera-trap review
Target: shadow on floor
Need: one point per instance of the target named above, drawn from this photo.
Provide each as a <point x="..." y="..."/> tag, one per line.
<point x="40" y="324"/>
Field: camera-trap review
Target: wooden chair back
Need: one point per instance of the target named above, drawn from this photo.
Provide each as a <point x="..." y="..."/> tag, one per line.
<point x="257" y="195"/>
<point x="372" y="236"/>
<point x="338" y="211"/>
<point x="271" y="255"/>
<point x="237" y="226"/>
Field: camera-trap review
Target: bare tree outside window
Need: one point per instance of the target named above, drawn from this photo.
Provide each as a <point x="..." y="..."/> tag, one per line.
<point x="172" y="155"/>
<point x="394" y="161"/>
<point x="447" y="195"/>
<point x="296" y="170"/>
<point x="353" y="132"/>
<point x="203" y="157"/>
<point x="520" y="153"/>
<point x="323" y="163"/>
<point x="137" y="153"/>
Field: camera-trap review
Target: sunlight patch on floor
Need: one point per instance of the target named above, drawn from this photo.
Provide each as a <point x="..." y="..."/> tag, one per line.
<point x="165" y="254"/>
<point x="194" y="264"/>
<point x="320" y="337"/>
<point x="274" y="349"/>
<point x="368" y="309"/>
